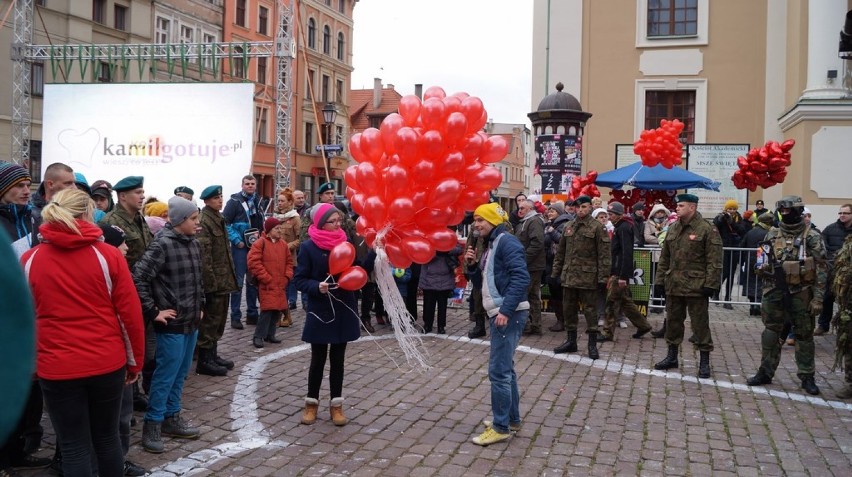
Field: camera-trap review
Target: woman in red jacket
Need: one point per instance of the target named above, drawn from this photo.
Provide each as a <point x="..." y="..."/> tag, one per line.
<point x="89" y="333"/>
<point x="270" y="261"/>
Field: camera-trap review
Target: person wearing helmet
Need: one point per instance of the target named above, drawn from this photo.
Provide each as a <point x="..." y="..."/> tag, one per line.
<point x="793" y="269"/>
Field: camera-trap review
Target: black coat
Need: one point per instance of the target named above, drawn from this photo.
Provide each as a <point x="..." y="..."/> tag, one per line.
<point x="752" y="239"/>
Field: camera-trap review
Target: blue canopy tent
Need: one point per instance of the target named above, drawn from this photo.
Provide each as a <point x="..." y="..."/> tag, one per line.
<point x="654" y="178"/>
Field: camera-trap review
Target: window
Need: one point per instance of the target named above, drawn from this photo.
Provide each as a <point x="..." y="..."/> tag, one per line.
<point x="162" y="35"/>
<point x="35" y="160"/>
<point x="104" y="72"/>
<point x="328" y="2"/>
<point x="263" y="21"/>
<point x="239" y="65"/>
<point x="341" y="47"/>
<point x="309" y="138"/>
<point x="338" y="135"/>
<point x="672" y="18"/>
<point x="262" y="126"/>
<point x="261" y="69"/>
<point x="121" y="18"/>
<point x="338" y="98"/>
<point x="208" y="49"/>
<point x="187" y="33"/>
<point x="37" y="79"/>
<point x="341" y="6"/>
<point x="311" y="76"/>
<point x="376" y="121"/>
<point x="312" y="34"/>
<point x="326" y="40"/>
<point x="325" y="84"/>
<point x="240" y="18"/>
<point x="671" y="105"/>
<point x="99" y="11"/>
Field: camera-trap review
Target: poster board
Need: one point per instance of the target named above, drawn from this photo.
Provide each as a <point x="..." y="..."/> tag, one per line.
<point x="717" y="162"/>
<point x="624" y="155"/>
<point x="558" y="159"/>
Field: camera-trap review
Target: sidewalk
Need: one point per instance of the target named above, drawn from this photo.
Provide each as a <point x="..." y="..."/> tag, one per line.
<point x="613" y="416"/>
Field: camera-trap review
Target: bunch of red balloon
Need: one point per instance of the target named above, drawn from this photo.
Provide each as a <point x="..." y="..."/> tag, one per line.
<point x="420" y="172"/>
<point x="584" y="185"/>
<point x="763" y="167"/>
<point x="649" y="197"/>
<point x="347" y="276"/>
<point x="661" y="145"/>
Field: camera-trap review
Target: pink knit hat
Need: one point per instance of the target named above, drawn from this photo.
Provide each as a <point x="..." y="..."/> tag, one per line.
<point x="322" y="212"/>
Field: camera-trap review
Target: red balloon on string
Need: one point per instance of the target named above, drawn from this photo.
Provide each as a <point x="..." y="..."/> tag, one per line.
<point x="352" y="279"/>
<point x="341" y="257"/>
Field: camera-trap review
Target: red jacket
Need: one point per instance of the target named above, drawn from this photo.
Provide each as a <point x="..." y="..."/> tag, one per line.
<point x="272" y="264"/>
<point x="77" y="331"/>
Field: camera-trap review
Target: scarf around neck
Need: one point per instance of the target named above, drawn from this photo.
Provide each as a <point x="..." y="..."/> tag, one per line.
<point x="325" y="239"/>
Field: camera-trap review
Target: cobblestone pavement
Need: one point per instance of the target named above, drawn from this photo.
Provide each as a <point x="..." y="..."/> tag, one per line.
<point x="613" y="416"/>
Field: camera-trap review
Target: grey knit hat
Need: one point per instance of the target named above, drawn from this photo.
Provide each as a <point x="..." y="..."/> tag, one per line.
<point x="180" y="209"/>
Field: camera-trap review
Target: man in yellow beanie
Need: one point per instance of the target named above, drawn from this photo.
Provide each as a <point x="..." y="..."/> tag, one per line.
<point x="504" y="293"/>
<point x="732" y="229"/>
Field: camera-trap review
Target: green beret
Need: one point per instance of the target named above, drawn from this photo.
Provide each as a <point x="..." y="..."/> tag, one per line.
<point x="686" y="198"/>
<point x="211" y="192"/>
<point x="325" y="187"/>
<point x="185" y="190"/>
<point x="583" y="199"/>
<point x="129" y="183"/>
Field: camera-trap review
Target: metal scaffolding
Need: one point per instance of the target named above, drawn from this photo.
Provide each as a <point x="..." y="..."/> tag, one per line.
<point x="181" y="59"/>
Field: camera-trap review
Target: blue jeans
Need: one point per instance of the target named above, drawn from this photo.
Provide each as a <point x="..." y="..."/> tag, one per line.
<point x="240" y="266"/>
<point x="174" y="356"/>
<point x="505" y="397"/>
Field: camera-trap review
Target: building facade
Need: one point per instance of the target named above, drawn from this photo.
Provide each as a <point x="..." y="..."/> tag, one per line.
<point x="734" y="72"/>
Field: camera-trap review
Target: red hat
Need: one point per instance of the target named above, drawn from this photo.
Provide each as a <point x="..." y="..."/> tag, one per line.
<point x="270" y="224"/>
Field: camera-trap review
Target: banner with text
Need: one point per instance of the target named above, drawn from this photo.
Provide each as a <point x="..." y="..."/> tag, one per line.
<point x="717" y="162"/>
<point x="558" y="159"/>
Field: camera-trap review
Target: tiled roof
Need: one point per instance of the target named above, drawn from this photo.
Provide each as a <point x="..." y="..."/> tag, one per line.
<point x="361" y="106"/>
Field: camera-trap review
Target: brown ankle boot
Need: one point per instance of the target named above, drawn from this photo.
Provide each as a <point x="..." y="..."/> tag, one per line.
<point x="845" y="392"/>
<point x="336" y="409"/>
<point x="286" y="320"/>
<point x="310" y="415"/>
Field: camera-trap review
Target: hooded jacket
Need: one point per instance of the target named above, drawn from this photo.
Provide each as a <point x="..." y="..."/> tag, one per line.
<point x="80" y="321"/>
<point x="17" y="220"/>
<point x="238" y="217"/>
<point x="622" y="249"/>
<point x="272" y="264"/>
<point x="505" y="278"/>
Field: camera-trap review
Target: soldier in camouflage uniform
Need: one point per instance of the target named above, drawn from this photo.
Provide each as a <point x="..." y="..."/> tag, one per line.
<point x="219" y="279"/>
<point x="583" y="262"/>
<point x="690" y="269"/>
<point x="794" y="275"/>
<point x="842" y="288"/>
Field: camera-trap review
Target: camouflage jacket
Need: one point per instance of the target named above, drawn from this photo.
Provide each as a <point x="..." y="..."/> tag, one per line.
<point x="784" y="245"/>
<point x="583" y="256"/>
<point x="137" y="235"/>
<point x="217" y="264"/>
<point x="842" y="285"/>
<point x="691" y="258"/>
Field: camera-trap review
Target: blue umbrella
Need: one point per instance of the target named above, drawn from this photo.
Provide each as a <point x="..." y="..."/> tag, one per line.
<point x="654" y="178"/>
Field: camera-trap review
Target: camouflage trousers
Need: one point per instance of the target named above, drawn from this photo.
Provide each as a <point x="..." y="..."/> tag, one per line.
<point x="618" y="300"/>
<point x="212" y="326"/>
<point x="571" y="299"/>
<point x="774" y="312"/>
<point x="699" y="316"/>
<point x="844" y="343"/>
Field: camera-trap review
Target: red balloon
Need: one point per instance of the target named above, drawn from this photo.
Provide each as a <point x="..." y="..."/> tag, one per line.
<point x="456" y="128"/>
<point x="432" y="113"/>
<point x="787" y="145"/>
<point x="494" y="150"/>
<point x="350" y="176"/>
<point x="409" y="109"/>
<point x="350" y="191"/>
<point x="471" y="147"/>
<point x="475" y="126"/>
<point x="423" y="171"/>
<point x="341" y="257"/>
<point x="592" y="176"/>
<point x="472" y="171"/>
<point x="429" y="218"/>
<point x="355" y="148"/>
<point x="452" y="163"/>
<point x="419" y="249"/>
<point x="431" y="145"/>
<point x="396" y="181"/>
<point x="419" y="200"/>
<point x="357" y="202"/>
<point x="453" y="104"/>
<point x="352" y="279"/>
<point x="471" y="199"/>
<point x="375" y="210"/>
<point x="371" y="144"/>
<point x="401" y="210"/>
<point x="396" y="256"/>
<point x="444" y="193"/>
<point x="472" y="108"/>
<point x="406" y="143"/>
<point x="390" y="125"/>
<point x="487" y="179"/>
<point x="367" y="176"/>
<point x="361" y="225"/>
<point x="433" y="92"/>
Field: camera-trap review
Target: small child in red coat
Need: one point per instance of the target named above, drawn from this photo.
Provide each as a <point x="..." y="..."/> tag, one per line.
<point x="269" y="260"/>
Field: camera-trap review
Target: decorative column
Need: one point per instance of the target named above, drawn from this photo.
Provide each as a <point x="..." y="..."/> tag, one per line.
<point x="825" y="20"/>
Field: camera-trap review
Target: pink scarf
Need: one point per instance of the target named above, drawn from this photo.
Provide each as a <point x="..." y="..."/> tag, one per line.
<point x="324" y="239"/>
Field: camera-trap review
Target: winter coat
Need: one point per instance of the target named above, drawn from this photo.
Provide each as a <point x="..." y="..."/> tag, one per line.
<point x="290" y="234"/>
<point x="731" y="228"/>
<point x="137" y="235"/>
<point x="583" y="257"/>
<point x="530" y="231"/>
<point x="504" y="274"/>
<point x="328" y="319"/>
<point x="833" y="236"/>
<point x="17" y="220"/>
<point x="622" y="249"/>
<point x="552" y="234"/>
<point x="239" y="219"/>
<point x="437" y="274"/>
<point x="272" y="264"/>
<point x="691" y="258"/>
<point x="638" y="231"/>
<point x="752" y="241"/>
<point x="168" y="277"/>
<point x="217" y="267"/>
<point x="81" y="324"/>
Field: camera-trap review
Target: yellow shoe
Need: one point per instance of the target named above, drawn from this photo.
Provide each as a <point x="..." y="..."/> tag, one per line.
<point x="490" y="436"/>
<point x="514" y="427"/>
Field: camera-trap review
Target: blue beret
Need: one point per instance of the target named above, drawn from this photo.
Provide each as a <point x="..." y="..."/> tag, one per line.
<point x="686" y="198"/>
<point x="210" y="192"/>
<point x="325" y="187"/>
<point x="82" y="183"/>
<point x="129" y="183"/>
<point x="185" y="190"/>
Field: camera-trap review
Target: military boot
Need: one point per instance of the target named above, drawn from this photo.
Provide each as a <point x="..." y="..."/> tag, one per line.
<point x="661" y="332"/>
<point x="593" y="346"/>
<point x="759" y="379"/>
<point x="704" y="364"/>
<point x="670" y="361"/>
<point x="225" y="363"/>
<point x="207" y="366"/>
<point x="845" y="392"/>
<point x="478" y="330"/>
<point x="152" y="439"/>
<point x="570" y="344"/>
<point x="809" y="385"/>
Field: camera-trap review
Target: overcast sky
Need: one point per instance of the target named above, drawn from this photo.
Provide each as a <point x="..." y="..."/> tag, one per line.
<point x="481" y="47"/>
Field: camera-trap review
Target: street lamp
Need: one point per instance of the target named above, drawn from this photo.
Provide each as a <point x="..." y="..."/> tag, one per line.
<point x="329" y="115"/>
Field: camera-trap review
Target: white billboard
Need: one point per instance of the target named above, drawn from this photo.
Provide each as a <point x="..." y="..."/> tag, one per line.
<point x="180" y="134"/>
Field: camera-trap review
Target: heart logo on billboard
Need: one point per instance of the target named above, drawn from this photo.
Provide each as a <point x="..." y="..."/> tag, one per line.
<point x="79" y="146"/>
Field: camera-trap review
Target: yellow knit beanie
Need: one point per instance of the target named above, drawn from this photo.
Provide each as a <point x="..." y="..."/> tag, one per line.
<point x="731" y="204"/>
<point x="492" y="213"/>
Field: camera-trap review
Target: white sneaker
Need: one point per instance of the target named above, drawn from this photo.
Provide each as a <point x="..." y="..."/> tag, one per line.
<point x="622" y="324"/>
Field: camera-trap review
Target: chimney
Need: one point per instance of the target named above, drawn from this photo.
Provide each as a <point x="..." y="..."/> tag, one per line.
<point x="390" y="86"/>
<point x="377" y="92"/>
<point x="418" y="90"/>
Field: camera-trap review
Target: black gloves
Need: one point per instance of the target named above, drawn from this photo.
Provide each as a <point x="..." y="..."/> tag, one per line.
<point x="602" y="286"/>
<point x="707" y="292"/>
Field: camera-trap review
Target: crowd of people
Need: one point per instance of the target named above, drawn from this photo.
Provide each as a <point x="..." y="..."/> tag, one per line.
<point x="164" y="278"/>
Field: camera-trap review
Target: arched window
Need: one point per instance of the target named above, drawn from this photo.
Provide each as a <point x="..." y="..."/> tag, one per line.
<point x="312" y="34"/>
<point x="341" y="47"/>
<point x="326" y="39"/>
